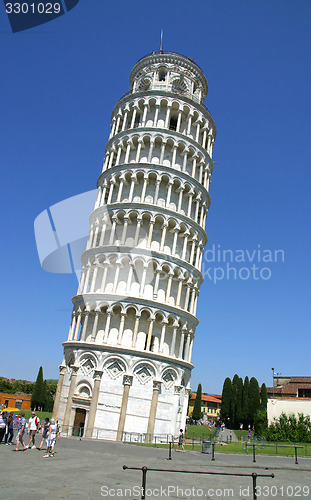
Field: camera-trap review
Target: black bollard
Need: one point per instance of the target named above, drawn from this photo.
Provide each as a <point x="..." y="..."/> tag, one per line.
<point x="296" y="458"/>
<point x="254" y="454"/>
<point x="143" y="485"/>
<point x="254" y="476"/>
<point x="213" y="452"/>
<point x="170" y="451"/>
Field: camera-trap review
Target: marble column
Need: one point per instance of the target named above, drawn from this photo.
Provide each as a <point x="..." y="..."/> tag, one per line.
<point x="94" y="330"/>
<point x="94" y="403"/>
<point x="153" y="411"/>
<point x="66" y="421"/>
<point x="84" y="327"/>
<point x="127" y="382"/>
<point x="62" y="369"/>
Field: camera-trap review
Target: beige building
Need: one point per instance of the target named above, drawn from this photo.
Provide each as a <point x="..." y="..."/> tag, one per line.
<point x="289" y="395"/>
<point x="210" y="406"/>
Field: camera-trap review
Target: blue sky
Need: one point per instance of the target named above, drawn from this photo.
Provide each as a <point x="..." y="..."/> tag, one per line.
<point x="59" y="84"/>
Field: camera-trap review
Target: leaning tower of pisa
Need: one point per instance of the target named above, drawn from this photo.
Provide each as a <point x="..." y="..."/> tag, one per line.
<point x="127" y="361"/>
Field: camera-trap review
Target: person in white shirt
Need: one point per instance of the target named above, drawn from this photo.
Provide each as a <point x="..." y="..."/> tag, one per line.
<point x="33" y="428"/>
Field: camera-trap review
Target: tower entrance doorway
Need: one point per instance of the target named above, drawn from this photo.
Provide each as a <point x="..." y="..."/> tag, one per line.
<point x="79" y="421"/>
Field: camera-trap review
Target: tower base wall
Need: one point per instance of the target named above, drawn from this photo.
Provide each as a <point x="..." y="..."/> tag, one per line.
<point x="122" y="396"/>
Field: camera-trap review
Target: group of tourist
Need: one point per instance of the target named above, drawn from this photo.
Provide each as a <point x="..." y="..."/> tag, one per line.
<point x="49" y="434"/>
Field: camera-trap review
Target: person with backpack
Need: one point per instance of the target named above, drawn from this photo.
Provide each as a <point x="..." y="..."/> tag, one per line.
<point x="9" y="430"/>
<point x="33" y="427"/>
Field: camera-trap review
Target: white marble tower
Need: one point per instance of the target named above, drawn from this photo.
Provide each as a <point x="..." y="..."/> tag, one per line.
<point x="127" y="360"/>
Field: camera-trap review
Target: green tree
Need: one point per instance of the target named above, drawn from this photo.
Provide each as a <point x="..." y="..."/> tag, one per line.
<point x="254" y="399"/>
<point x="263" y="397"/>
<point x="260" y="422"/>
<point x="196" y="414"/>
<point x="38" y="397"/>
<point x="226" y="401"/>
<point x="245" y="402"/>
<point x="237" y="412"/>
<point x="290" y="428"/>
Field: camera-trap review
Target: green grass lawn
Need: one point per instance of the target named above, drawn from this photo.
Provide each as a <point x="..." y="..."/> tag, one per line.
<point x="241" y="434"/>
<point x="198" y="431"/>
<point x="282" y="449"/>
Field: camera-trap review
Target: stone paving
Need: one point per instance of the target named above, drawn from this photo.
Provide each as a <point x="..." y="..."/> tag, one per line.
<point x="89" y="469"/>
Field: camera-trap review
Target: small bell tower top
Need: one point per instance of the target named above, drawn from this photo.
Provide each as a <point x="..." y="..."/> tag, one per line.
<point x="170" y="72"/>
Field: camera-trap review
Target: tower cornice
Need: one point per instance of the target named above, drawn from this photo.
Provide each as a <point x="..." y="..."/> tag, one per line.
<point x="155" y="168"/>
<point x="128" y="351"/>
<point x="166" y="93"/>
<point x="157" y="132"/>
<point x="155" y="209"/>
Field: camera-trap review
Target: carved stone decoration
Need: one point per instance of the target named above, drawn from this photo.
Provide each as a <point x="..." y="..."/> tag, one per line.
<point x="88" y="365"/>
<point x="144" y="374"/>
<point x="177" y="389"/>
<point x="156" y="385"/>
<point x="84" y="391"/>
<point x="114" y="368"/>
<point x="169" y="378"/>
<point x="127" y="379"/>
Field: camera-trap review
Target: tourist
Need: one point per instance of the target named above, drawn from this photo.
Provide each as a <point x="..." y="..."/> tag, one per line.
<point x="33" y="428"/>
<point x="2" y="425"/>
<point x="20" y="432"/>
<point x="9" y="430"/>
<point x="249" y="434"/>
<point x="45" y="434"/>
<point x="53" y="433"/>
<point x="180" y="438"/>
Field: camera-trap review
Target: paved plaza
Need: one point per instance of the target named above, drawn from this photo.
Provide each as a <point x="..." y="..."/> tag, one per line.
<point x="89" y="469"/>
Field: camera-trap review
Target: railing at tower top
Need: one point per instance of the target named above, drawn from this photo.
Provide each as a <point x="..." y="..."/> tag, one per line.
<point x="167" y="52"/>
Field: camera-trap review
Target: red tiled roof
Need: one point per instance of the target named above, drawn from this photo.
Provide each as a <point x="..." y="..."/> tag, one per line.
<point x="205" y="397"/>
<point x="291" y="387"/>
<point x="300" y="380"/>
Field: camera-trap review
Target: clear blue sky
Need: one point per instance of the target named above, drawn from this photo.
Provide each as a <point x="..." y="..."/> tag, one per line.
<point x="59" y="83"/>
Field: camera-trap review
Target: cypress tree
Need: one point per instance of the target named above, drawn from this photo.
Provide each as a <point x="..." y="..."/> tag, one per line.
<point x="245" y="402"/>
<point x="235" y="382"/>
<point x="254" y="399"/>
<point x="38" y="398"/>
<point x="238" y="404"/>
<point x="263" y="397"/>
<point x="196" y="414"/>
<point x="226" y="400"/>
<point x="44" y="394"/>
